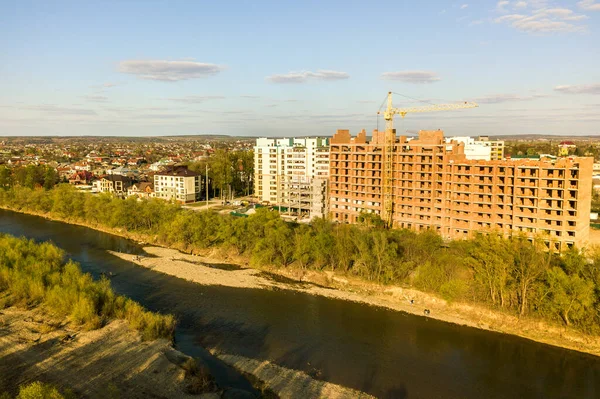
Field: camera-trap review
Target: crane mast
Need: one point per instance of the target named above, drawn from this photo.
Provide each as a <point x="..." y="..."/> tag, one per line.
<point x="389" y="147"/>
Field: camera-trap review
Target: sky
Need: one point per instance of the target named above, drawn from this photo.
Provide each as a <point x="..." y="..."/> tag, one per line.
<point x="297" y="68"/>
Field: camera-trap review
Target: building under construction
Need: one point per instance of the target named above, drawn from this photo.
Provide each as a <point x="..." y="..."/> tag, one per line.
<point x="428" y="183"/>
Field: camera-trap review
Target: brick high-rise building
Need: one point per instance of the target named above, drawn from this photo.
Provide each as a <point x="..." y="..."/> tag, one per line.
<point x="435" y="186"/>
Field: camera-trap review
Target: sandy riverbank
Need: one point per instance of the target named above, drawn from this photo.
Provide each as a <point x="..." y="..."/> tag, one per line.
<point x="108" y="362"/>
<point x="391" y="297"/>
<point x="287" y="383"/>
<point x="214" y="271"/>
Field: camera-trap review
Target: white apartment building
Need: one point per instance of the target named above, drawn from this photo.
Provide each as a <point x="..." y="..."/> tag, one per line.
<point x="473" y="148"/>
<point x="180" y="184"/>
<point x="496" y="146"/>
<point x="482" y="148"/>
<point x="293" y="173"/>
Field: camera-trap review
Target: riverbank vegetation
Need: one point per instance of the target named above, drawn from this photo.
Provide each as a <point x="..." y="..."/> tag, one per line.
<point x="39" y="390"/>
<point x="37" y="274"/>
<point x="510" y="274"/>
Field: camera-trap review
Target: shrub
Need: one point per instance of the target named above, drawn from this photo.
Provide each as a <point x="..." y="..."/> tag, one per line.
<point x="200" y="379"/>
<point x="38" y="390"/>
<point x="37" y="274"/>
<point x="454" y="290"/>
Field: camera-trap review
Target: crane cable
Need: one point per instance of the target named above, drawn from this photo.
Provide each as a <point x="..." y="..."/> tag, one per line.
<point x="415" y="99"/>
<point x="379" y="112"/>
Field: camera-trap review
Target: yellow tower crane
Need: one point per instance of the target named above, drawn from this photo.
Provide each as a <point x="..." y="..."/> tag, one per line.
<point x="390" y="140"/>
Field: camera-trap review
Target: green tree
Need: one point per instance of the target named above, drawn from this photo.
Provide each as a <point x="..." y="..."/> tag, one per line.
<point x="370" y="220"/>
<point x="571" y="297"/>
<point x="490" y="257"/>
<point x="5" y="177"/>
<point x="220" y="171"/>
<point x="531" y="261"/>
<point x="303" y="246"/>
<point x="50" y="178"/>
<point x="385" y="253"/>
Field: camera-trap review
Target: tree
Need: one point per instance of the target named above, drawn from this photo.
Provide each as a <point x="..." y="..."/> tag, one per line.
<point x="276" y="246"/>
<point x="220" y="170"/>
<point x="531" y="261"/>
<point x="323" y="242"/>
<point x="573" y="261"/>
<point x="50" y="178"/>
<point x="370" y="220"/>
<point x="5" y="178"/>
<point x="491" y="260"/>
<point x="242" y="164"/>
<point x="570" y="296"/>
<point x="385" y="253"/>
<point x="303" y="246"/>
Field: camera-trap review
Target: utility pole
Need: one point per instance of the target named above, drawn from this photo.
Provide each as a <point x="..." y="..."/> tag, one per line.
<point x="207" y="186"/>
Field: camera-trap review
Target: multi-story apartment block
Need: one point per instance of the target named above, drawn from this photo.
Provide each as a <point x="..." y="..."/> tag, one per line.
<point x="473" y="149"/>
<point x="293" y="173"/>
<point x="481" y="148"/>
<point x="180" y="184"/>
<point x="496" y="147"/>
<point x="434" y="186"/>
<point x="114" y="184"/>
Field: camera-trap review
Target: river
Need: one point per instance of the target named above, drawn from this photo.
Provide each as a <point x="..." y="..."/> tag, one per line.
<point x="385" y="353"/>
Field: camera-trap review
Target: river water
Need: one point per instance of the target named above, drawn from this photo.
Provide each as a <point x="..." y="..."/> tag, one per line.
<point x="385" y="353"/>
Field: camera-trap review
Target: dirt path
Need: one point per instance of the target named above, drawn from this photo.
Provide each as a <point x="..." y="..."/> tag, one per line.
<point x="104" y="363"/>
<point x="211" y="271"/>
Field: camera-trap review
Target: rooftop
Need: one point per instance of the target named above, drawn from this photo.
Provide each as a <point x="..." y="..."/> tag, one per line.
<point x="179" y="172"/>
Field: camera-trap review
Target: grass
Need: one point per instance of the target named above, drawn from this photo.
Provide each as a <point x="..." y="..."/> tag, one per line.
<point x="199" y="378"/>
<point x="33" y="274"/>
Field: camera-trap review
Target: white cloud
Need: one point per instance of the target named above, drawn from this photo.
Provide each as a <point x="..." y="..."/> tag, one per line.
<point x="538" y="18"/>
<point x="305" y="76"/>
<point x="593" y="88"/>
<point x="504" y="98"/>
<point x="100" y="88"/>
<point x="589" y="5"/>
<point x="169" y="71"/>
<point x="464" y="6"/>
<point x="196" y="99"/>
<point x="542" y="22"/>
<point x="411" y="76"/>
<point x="96" y="98"/>
<point x="55" y="109"/>
<point x="500" y="6"/>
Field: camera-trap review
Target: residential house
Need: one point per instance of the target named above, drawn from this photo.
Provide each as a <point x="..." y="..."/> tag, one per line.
<point x="565" y="148"/>
<point x="142" y="190"/>
<point x="115" y="184"/>
<point x="82" y="177"/>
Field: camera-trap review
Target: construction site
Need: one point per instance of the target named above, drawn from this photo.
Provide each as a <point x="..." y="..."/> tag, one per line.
<point x="456" y="186"/>
<point x="433" y="186"/>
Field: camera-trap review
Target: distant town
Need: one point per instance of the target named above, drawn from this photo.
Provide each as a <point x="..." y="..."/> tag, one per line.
<point x="455" y="185"/>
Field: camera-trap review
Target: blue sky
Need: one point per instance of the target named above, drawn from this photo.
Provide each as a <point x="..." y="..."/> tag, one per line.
<point x="281" y="68"/>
